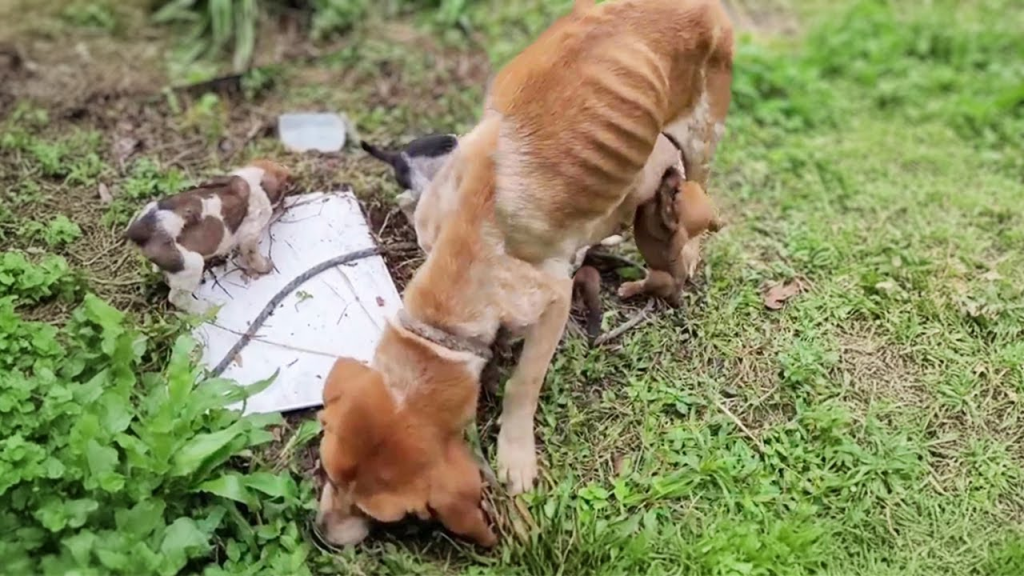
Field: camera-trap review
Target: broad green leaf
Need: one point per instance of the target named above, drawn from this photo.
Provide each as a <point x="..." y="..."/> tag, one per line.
<point x="80" y="546"/>
<point x="115" y="412"/>
<point x="113" y="559"/>
<point x="141" y="520"/>
<point x="101" y="459"/>
<point x="213" y="519"/>
<point x="274" y="485"/>
<point x="182" y="540"/>
<point x="181" y="375"/>
<point x="229" y="486"/>
<point x="52" y="514"/>
<point x="195" y="453"/>
<point x="78" y="511"/>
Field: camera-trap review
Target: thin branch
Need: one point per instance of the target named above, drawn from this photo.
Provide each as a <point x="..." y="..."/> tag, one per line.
<point x="639" y="318"/>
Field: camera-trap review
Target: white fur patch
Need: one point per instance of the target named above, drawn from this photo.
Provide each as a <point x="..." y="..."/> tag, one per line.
<point x="689" y="132"/>
<point x="170" y="222"/>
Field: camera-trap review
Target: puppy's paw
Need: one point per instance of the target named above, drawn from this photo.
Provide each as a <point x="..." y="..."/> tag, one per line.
<point x="258" y="266"/>
<point x="517" y="462"/>
<point x="631" y="289"/>
<point x="185" y="302"/>
<point x="614" y="240"/>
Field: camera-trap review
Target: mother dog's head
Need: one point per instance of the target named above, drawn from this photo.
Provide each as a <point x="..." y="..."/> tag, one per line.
<point x="384" y="461"/>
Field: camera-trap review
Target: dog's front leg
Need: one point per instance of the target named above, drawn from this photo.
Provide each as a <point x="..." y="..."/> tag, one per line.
<point x="253" y="262"/>
<point x="517" y="456"/>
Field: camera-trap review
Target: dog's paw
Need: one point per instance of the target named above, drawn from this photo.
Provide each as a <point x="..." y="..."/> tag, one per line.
<point x="517" y="463"/>
<point x="630" y="289"/>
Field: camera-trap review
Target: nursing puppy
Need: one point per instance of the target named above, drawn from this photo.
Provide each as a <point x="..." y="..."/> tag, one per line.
<point x="568" y="148"/>
<point x="415" y="165"/>
<point x="180" y="233"/>
<point x="664" y="230"/>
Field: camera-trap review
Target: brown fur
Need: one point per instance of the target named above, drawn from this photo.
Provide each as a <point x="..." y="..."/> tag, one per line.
<point x="587" y="285"/>
<point x="640" y="67"/>
<point x="679" y="213"/>
<point x="176" y="235"/>
<point x="276" y="179"/>
<point x="569" y="146"/>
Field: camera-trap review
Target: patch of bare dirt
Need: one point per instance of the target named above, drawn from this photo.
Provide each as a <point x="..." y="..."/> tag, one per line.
<point x="875" y="371"/>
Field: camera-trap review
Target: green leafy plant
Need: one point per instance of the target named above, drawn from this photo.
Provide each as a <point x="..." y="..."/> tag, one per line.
<point x="106" y="470"/>
<point x="22" y="280"/>
<point x="214" y="25"/>
<point x="58" y="232"/>
<point x="98" y="15"/>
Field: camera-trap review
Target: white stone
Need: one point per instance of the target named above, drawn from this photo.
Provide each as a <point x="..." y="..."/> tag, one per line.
<point x="302" y="132"/>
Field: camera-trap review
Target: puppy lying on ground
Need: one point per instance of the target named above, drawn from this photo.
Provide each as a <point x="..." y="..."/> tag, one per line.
<point x="415" y="165"/>
<point x="569" y="147"/>
<point x="180" y="233"/>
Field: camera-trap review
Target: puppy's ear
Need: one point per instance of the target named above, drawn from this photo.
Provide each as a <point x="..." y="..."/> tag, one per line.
<point x="695" y="210"/>
<point x="456" y="492"/>
<point x="276" y="179"/>
<point x="392" y="158"/>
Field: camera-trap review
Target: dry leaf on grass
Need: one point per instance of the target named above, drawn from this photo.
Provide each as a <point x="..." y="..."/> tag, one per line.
<point x="776" y="295"/>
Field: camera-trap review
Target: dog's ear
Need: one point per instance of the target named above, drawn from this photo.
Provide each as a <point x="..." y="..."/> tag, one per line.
<point x="358" y="410"/>
<point x="368" y="449"/>
<point x="392" y="158"/>
<point x="456" y="492"/>
<point x="666" y="196"/>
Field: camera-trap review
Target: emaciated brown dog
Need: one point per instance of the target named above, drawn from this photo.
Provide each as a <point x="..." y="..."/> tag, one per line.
<point x="569" y="146"/>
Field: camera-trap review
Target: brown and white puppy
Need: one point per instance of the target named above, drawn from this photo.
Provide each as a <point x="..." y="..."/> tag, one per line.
<point x="664" y="230"/>
<point x="569" y="147"/>
<point x="180" y="233"/>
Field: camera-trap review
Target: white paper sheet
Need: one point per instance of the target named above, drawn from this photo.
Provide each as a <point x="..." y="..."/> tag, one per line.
<point x="340" y="312"/>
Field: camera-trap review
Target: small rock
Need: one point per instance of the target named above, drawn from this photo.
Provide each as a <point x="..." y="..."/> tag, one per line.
<point x="105" y="196"/>
<point x="302" y="132"/>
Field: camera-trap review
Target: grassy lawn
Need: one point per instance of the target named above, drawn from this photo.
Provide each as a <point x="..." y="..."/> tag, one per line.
<point x="874" y="425"/>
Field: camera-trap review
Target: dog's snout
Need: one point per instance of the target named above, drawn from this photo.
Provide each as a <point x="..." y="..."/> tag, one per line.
<point x="339" y="524"/>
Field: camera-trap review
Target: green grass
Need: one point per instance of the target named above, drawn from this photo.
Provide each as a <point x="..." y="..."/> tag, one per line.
<point x="872" y="427"/>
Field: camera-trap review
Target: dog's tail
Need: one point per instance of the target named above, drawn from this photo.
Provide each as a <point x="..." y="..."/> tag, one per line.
<point x="391" y="158"/>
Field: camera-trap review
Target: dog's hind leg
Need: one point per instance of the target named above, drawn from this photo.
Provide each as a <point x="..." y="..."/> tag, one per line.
<point x="517" y="456"/>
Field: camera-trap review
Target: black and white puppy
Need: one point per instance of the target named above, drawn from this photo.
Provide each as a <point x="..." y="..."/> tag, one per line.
<point x="415" y="165"/>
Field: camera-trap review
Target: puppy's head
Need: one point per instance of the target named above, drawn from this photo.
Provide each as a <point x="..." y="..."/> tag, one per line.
<point x="277" y="179"/>
<point x="382" y="463"/>
<point x="684" y="206"/>
<point x="418" y="162"/>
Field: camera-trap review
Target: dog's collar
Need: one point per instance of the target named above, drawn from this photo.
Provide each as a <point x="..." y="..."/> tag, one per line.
<point x="682" y="153"/>
<point x="443" y="338"/>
